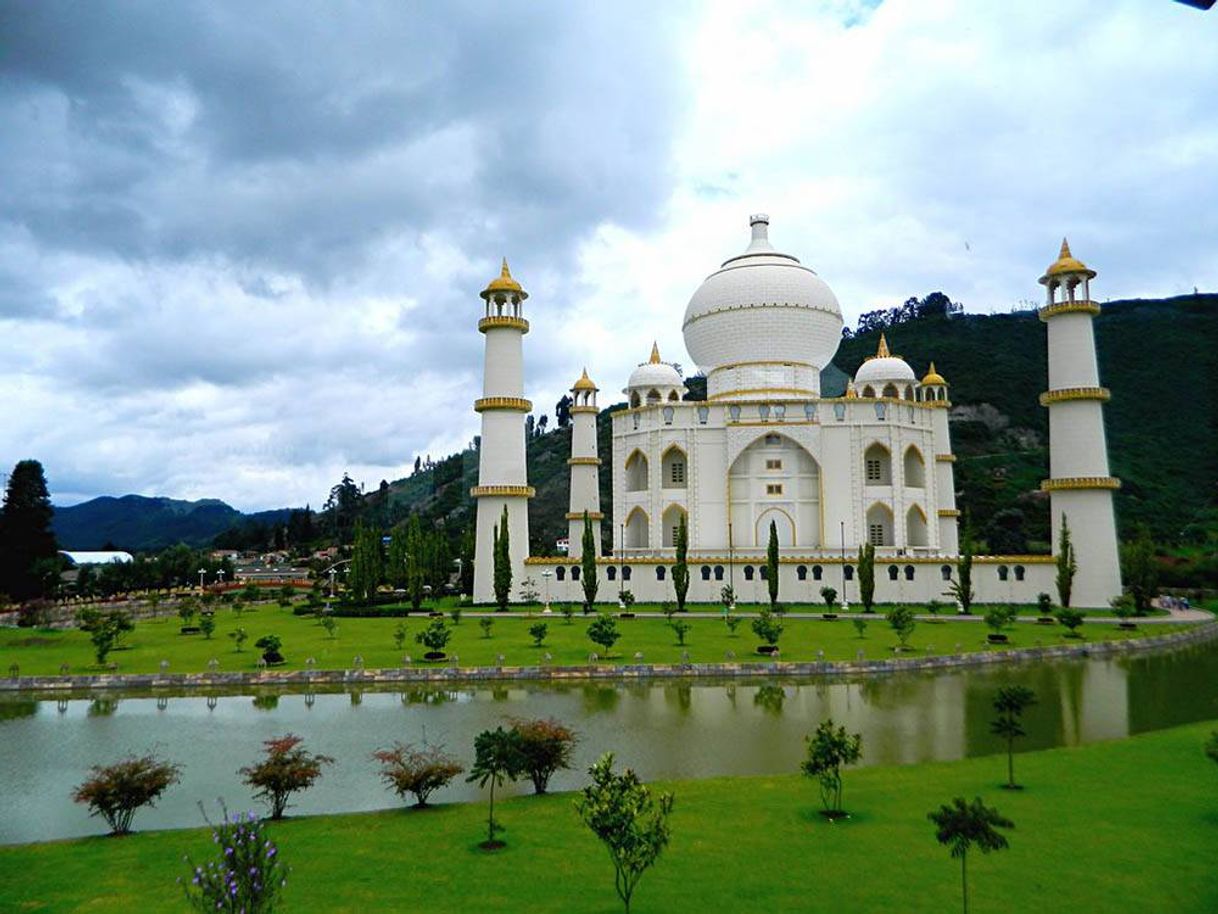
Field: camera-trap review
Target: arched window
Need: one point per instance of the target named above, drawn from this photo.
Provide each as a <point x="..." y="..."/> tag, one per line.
<point x="877" y="466"/>
<point x="673" y="467"/>
<point x="879" y="525"/>
<point x="672" y="397"/>
<point x="915" y="468"/>
<point x="635" y="402"/>
<point x="893" y="572"/>
<point x="817" y="572"/>
<point x="703" y="414"/>
<point x="763" y="411"/>
<point x="636" y="472"/>
<point x="653" y="396"/>
<point x="946" y="572"/>
<point x="611" y="572"/>
<point x="909" y="392"/>
<point x="868" y="391"/>
<point x="706" y="572"/>
<point x="1019" y="572"/>
<point x="660" y="572"/>
<point x="1003" y="572"/>
<point x="848" y="572"/>
<point x="637" y="533"/>
<point x="626" y="573"/>
<point x="574" y="572"/>
<point x="765" y="572"/>
<point x="915" y="527"/>
<point x="733" y="413"/>
<point x="748" y="572"/>
<point x="909" y="572"/>
<point x="890" y="390"/>
<point x="718" y="572"/>
<point x="560" y="573"/>
<point x="669" y="412"/>
<point x="802" y="572"/>
<point x="672" y="523"/>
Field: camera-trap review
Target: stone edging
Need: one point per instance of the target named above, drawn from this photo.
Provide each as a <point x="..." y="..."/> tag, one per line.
<point x="441" y="675"/>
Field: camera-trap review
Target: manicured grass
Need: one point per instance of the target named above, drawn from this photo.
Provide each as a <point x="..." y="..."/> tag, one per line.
<point x="1121" y="826"/>
<point x="41" y="652"/>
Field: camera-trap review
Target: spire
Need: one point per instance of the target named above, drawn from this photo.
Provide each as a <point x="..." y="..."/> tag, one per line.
<point x="933" y="377"/>
<point x="881" y="351"/>
<point x="1065" y="251"/>
<point x="504" y="282"/>
<point x="655" y="354"/>
<point x="584" y="382"/>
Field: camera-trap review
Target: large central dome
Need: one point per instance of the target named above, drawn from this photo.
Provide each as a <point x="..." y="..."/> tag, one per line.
<point x="763" y="324"/>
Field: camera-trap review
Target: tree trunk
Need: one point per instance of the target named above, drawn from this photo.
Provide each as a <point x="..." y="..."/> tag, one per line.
<point x="964" y="879"/>
<point x="1010" y="761"/>
<point x="490" y="819"/>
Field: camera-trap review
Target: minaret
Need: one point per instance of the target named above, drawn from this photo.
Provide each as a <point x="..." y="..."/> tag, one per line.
<point x="934" y="394"/>
<point x="1079" y="487"/>
<point x="584" y="463"/>
<point x="502" y="477"/>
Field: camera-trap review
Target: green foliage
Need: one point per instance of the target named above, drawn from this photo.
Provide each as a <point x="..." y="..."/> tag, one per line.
<point x="1067" y="564"/>
<point x="603" y="631"/>
<point x="860" y="625"/>
<point x="934" y="607"/>
<point x="727" y="596"/>
<point x="467" y="561"/>
<point x="626" y="597"/>
<point x="827" y="751"/>
<point x="419" y="772"/>
<point x="239" y="636"/>
<point x="455" y="615"/>
<point x="396" y="559"/>
<point x="435" y="637"/>
<point x="961" y="586"/>
<point x="497" y="758"/>
<point x="680" y="571"/>
<point x="538" y="632"/>
<point x="250" y="593"/>
<point x="116" y="791"/>
<point x="961" y="825"/>
<point x="1211" y="747"/>
<point x="105" y="629"/>
<point x="771" y="565"/>
<point x="27" y="542"/>
<point x="544" y="746"/>
<point x="1070" y="618"/>
<point x="399" y="635"/>
<point x="732" y="621"/>
<point x="680" y="628"/>
<point x="247" y="874"/>
<point x="364" y="573"/>
<point x="568" y="612"/>
<point x="285" y="769"/>
<point x="829" y="595"/>
<point x="1000" y="617"/>
<point x="414" y="575"/>
<point x="330" y="624"/>
<point x="1140" y="570"/>
<point x="207" y="625"/>
<point x="767" y="627"/>
<point x="633" y="825"/>
<point x="486" y="623"/>
<point x="1044" y="604"/>
<point x="902" y="621"/>
<point x="588" y="579"/>
<point x="502" y="554"/>
<point x="866" y="574"/>
<point x="1010" y="702"/>
<point x="187" y="609"/>
<point x="272" y="647"/>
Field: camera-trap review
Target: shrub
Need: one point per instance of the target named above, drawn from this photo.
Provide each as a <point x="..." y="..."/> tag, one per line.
<point x="418" y="772"/>
<point x="545" y="746"/>
<point x="271" y="646"/>
<point x="829" y="595"/>
<point x="903" y="622"/>
<point x="34" y="614"/>
<point x="486" y="623"/>
<point x="399" y="635"/>
<point x="934" y="607"/>
<point x="435" y="637"/>
<point x="626" y="597"/>
<point x="497" y="758"/>
<point x="186" y="611"/>
<point x="1124" y="607"/>
<point x="246" y="875"/>
<point x="732" y="622"/>
<point x="767" y="627"/>
<point x="999" y="617"/>
<point x="727" y="596"/>
<point x="330" y="625"/>
<point x="568" y="612"/>
<point x="1044" y="604"/>
<point x="860" y="625"/>
<point x="1070" y="618"/>
<point x="207" y="625"/>
<point x="680" y="628"/>
<point x="116" y="791"/>
<point x="239" y="636"/>
<point x="603" y="631"/>
<point x="105" y="629"/>
<point x="287" y="768"/>
<point x="828" y="751"/>
<point x="455" y="615"/>
<point x="537" y="631"/>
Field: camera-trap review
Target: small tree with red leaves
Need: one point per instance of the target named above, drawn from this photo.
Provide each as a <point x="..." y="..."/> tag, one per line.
<point x="287" y="768"/>
<point x="116" y="791"/>
<point x="416" y="771"/>
<point x="545" y="747"/>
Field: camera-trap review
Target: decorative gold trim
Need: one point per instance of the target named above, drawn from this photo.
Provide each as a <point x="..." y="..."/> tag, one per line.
<point x="937" y="404"/>
<point x="773" y="423"/>
<point x="516" y="404"/>
<point x="945" y="458"/>
<point x="779" y="392"/>
<point x="1082" y="306"/>
<point x="502" y="491"/>
<point x="583" y="461"/>
<point x="785" y="363"/>
<point x="590" y="410"/>
<point x="496" y="321"/>
<point x="1070" y="483"/>
<point x="579" y="515"/>
<point x="617" y="560"/>
<point x="948" y="512"/>
<point x="1064" y="394"/>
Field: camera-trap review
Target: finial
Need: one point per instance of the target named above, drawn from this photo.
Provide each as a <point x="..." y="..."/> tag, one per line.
<point x="1065" y="251"/>
<point x="932" y="367"/>
<point x="882" y="351"/>
<point x="504" y="283"/>
<point x="505" y="273"/>
<point x="655" y="354"/>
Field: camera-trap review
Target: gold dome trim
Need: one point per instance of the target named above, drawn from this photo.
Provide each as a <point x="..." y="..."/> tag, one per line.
<point x="584" y="382"/>
<point x="1065" y="394"/>
<point x="502" y="491"/>
<point x="504" y="283"/>
<point x="496" y="322"/>
<point x="1069" y="307"/>
<point x="590" y="410"/>
<point x="579" y="515"/>
<point x="933" y="377"/>
<point x="515" y="404"/>
<point x="583" y="461"/>
<point x="1073" y="483"/>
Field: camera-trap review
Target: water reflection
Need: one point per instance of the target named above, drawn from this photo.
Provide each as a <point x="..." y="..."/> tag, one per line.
<point x="664" y="730"/>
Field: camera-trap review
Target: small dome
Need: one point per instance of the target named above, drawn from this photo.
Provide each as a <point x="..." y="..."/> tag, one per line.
<point x="933" y="377"/>
<point x="584" y="382"/>
<point x="1066" y="263"/>
<point x="654" y="373"/>
<point x="504" y="283"/>
<point x="883" y="367"/>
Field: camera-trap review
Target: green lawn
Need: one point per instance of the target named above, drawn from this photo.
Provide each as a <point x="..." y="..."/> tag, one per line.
<point x="41" y="652"/>
<point x="1128" y="825"/>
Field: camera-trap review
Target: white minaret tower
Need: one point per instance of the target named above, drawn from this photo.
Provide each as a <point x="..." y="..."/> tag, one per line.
<point x="1079" y="487"/>
<point x="585" y="464"/>
<point x="502" y="477"/>
<point x="934" y="394"/>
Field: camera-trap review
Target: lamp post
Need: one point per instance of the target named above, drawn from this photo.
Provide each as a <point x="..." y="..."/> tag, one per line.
<point x="845" y="602"/>
<point x="202" y="572"/>
<point x="220" y="576"/>
<point x="546" y="575"/>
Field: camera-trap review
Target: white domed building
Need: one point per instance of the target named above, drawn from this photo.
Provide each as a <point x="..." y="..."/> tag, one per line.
<point x="767" y="450"/>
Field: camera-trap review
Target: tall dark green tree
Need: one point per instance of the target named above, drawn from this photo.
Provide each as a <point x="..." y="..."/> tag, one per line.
<point x="867" y="576"/>
<point x="395" y="562"/>
<point x="468" y="546"/>
<point x="366" y="564"/>
<point x="414" y="562"/>
<point x="502" y="572"/>
<point x="26" y="537"/>
<point x="1141" y="571"/>
<point x="1010" y="703"/>
<point x="771" y="565"/>
<point x="680" y="571"/>
<point x="587" y="560"/>
<point x="1067" y="564"/>
<point x="962" y="587"/>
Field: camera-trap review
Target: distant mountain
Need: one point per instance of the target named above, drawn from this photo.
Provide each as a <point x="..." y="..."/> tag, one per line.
<point x="138" y="523"/>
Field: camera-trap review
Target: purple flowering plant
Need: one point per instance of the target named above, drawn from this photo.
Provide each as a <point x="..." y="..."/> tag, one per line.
<point x="245" y="875"/>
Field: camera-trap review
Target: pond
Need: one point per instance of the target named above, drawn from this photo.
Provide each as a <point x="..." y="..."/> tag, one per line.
<point x="663" y="729"/>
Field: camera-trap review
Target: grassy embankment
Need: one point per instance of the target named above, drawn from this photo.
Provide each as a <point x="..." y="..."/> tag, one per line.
<point x="1121" y="826"/>
<point x="41" y="652"/>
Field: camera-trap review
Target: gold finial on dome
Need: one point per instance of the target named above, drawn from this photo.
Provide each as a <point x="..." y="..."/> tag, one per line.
<point x="584" y="382"/>
<point x="504" y="282"/>
<point x="851" y="393"/>
<point x="655" y="354"/>
<point x="1067" y="263"/>
<point x="933" y="377"/>
<point x="881" y="351"/>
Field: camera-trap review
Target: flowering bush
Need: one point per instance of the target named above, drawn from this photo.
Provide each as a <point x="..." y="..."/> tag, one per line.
<point x="116" y="791"/>
<point x="246" y="875"/>
<point x="286" y="769"/>
<point x="417" y="771"/>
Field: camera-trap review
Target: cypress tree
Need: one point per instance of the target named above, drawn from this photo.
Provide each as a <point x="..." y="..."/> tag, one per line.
<point x="867" y="576"/>
<point x="1067" y="565"/>
<point x="414" y="562"/>
<point x="26" y="538"/>
<point x="680" y="571"/>
<point x="366" y="565"/>
<point x="468" y="547"/>
<point x="771" y="565"/>
<point x="587" y="561"/>
<point x="395" y="570"/>
<point x="503" y="563"/>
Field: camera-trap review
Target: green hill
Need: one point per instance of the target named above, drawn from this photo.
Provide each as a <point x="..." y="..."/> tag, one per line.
<point x="1157" y="357"/>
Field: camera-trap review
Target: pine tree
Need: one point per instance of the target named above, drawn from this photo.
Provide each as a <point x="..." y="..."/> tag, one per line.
<point x="468" y="547"/>
<point x="680" y="571"/>
<point x="1067" y="565"/>
<point x="395" y="567"/>
<point x="414" y="562"/>
<point x="366" y="564"/>
<point x="26" y="538"/>
<point x="503" y="563"/>
<point x="587" y="561"/>
<point x="771" y="564"/>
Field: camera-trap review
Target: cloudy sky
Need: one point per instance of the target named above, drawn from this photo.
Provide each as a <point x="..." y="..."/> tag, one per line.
<point x="241" y="244"/>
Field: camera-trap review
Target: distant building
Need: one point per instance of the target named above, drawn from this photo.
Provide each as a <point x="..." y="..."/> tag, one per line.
<point x="76" y="557"/>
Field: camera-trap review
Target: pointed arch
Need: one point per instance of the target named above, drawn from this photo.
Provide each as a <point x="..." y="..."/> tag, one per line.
<point x="674" y="467"/>
<point x="868" y="391"/>
<point x="890" y="390"/>
<point x="653" y="396"/>
<point x="637" y="471"/>
<point x="784" y="526"/>
<point x="877" y="465"/>
<point x="915" y="526"/>
<point x="638" y="527"/>
<point x="774" y="470"/>
<point x="670" y="520"/>
<point x="879" y="524"/>
<point x="915" y="467"/>
<point x="673" y="397"/>
<point x="635" y="400"/>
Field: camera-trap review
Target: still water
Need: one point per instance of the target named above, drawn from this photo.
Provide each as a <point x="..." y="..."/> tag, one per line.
<point x="662" y="730"/>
